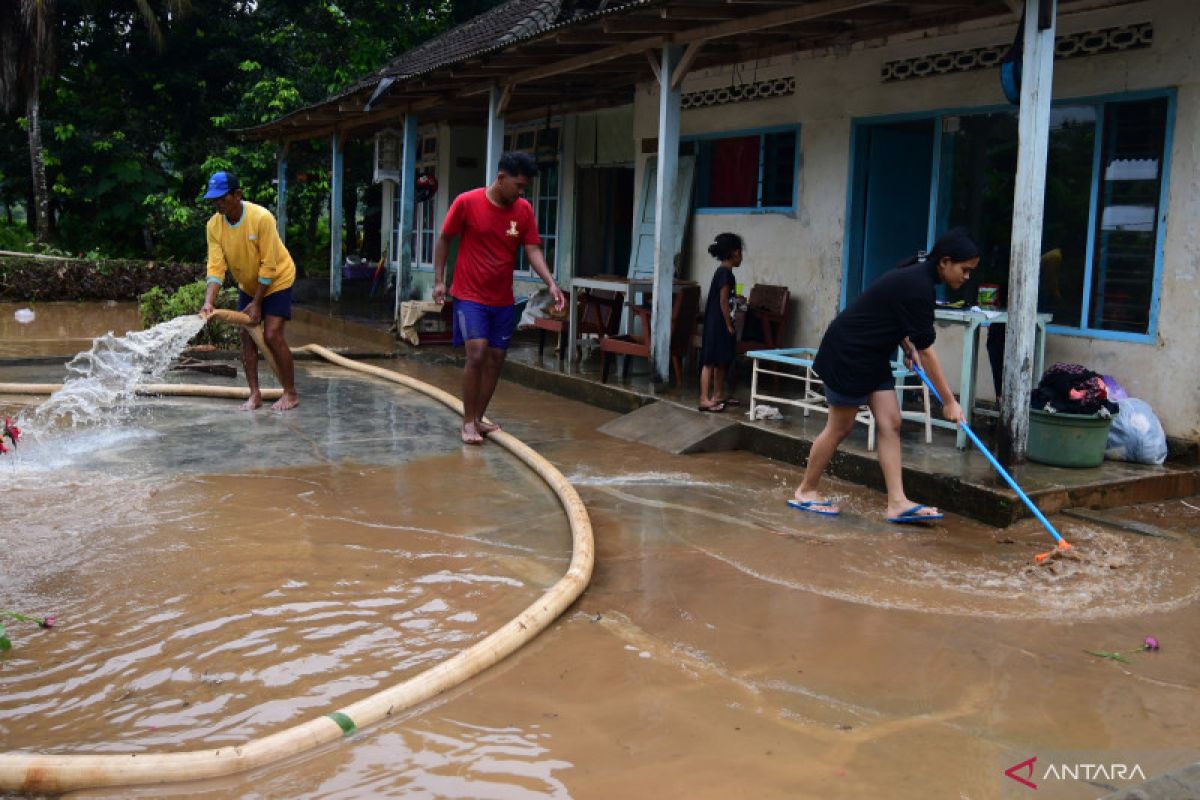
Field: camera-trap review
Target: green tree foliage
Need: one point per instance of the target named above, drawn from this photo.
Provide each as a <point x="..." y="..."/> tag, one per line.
<point x="27" y="56"/>
<point x="148" y="94"/>
<point x="157" y="306"/>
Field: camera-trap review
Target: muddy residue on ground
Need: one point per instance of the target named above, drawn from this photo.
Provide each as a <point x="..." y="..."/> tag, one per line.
<point x="257" y="570"/>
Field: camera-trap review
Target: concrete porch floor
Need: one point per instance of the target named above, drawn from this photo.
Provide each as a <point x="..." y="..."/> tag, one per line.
<point x="937" y="473"/>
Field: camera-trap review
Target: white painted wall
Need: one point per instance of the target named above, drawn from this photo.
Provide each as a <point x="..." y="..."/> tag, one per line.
<point x="804" y="250"/>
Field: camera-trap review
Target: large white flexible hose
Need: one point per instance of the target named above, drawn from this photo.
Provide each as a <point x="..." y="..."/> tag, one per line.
<point x="32" y="772"/>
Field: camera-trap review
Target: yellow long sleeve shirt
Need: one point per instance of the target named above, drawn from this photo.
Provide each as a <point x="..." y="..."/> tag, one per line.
<point x="251" y="249"/>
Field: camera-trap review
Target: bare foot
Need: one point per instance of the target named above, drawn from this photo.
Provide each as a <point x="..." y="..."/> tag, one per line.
<point x="470" y="435"/>
<point x="288" y="401"/>
<point x="486" y="427"/>
<point x="816" y="499"/>
<point x="253" y="403"/>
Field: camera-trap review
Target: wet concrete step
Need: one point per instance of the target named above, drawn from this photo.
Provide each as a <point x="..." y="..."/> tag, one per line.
<point x="672" y="427"/>
<point x="961" y="481"/>
<point x="964" y="482"/>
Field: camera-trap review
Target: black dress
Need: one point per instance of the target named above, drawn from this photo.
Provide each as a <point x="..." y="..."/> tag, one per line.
<point x="857" y="349"/>
<point x="719" y="346"/>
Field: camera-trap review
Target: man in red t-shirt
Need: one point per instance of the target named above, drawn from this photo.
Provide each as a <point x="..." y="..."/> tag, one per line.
<point x="492" y="223"/>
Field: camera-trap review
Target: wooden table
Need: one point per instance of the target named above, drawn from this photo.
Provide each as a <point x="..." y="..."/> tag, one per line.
<point x="629" y="287"/>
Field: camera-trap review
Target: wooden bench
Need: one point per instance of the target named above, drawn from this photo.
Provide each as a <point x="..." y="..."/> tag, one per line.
<point x="795" y="363"/>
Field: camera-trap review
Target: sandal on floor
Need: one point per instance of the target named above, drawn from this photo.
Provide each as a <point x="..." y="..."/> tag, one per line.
<point x="715" y="408"/>
<point x="914" y="515"/>
<point x="822" y="507"/>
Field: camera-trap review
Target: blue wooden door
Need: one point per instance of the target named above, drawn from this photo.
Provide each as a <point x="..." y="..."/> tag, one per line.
<point x="641" y="257"/>
<point x="894" y="182"/>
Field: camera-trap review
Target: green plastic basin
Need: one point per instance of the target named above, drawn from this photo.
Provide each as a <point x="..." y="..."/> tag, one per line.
<point x="1067" y="440"/>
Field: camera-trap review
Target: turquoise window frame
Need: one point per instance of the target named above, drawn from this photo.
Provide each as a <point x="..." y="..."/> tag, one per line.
<point x="761" y="132"/>
<point x="1099" y="101"/>
<point x="536" y="196"/>
<point x="425" y="163"/>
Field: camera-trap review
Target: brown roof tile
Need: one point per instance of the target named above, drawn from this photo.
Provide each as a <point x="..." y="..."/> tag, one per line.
<point x="493" y="30"/>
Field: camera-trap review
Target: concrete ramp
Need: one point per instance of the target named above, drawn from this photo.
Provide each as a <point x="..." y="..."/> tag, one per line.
<point x="676" y="429"/>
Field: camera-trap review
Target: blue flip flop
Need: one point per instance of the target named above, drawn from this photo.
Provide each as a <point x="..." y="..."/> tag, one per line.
<point x="913" y="515"/>
<point x="822" y="507"/>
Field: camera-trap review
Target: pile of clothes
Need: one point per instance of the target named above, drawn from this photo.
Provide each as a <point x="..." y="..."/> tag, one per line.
<point x="1073" y="389"/>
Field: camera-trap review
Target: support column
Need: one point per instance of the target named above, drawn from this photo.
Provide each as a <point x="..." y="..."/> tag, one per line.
<point x="281" y="154"/>
<point x="664" y="215"/>
<point x="387" y="224"/>
<point x="404" y="215"/>
<point x="566" y="194"/>
<point x="335" y="218"/>
<point x="495" y="134"/>
<point x="1037" y="72"/>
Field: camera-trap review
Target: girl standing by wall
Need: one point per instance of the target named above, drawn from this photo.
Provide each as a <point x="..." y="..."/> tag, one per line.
<point x="720" y="342"/>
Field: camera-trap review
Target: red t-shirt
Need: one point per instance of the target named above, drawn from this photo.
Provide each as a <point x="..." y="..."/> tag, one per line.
<point x="487" y="252"/>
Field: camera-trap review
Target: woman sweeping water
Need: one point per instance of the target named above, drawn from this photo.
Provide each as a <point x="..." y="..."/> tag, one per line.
<point x="854" y="363"/>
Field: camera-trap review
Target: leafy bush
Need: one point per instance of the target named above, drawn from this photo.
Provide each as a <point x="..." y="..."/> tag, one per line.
<point x="15" y="237"/>
<point x="24" y="278"/>
<point x="157" y="306"/>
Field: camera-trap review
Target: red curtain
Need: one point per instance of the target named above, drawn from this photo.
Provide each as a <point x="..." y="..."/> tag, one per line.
<point x="734" y="173"/>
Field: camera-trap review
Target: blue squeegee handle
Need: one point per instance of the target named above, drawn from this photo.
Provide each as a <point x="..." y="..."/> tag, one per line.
<point x="1003" y="472"/>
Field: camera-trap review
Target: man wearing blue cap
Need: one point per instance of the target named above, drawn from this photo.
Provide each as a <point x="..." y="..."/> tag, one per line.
<point x="242" y="237"/>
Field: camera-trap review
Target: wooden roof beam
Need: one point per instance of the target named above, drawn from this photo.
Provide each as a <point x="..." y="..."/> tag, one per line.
<point x="695" y="12"/>
<point x="576" y="63"/>
<point x="784" y="16"/>
<point x="506" y="61"/>
<point x="685" y="63"/>
<point x="946" y="3"/>
<point x="588" y="38"/>
<point x="642" y="25"/>
<point x="881" y="14"/>
<point x="774" y="19"/>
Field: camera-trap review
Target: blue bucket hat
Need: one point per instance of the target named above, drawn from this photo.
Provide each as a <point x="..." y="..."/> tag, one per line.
<point x="220" y="184"/>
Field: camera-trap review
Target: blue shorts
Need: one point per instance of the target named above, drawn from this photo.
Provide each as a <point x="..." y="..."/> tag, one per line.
<point x="278" y="304"/>
<point x="477" y="321"/>
<point x="836" y="398"/>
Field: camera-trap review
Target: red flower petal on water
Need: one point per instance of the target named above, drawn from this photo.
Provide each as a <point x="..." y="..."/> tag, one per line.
<point x="48" y="622"/>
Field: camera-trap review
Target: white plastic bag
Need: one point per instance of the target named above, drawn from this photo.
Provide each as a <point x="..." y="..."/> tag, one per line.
<point x="1136" y="434"/>
<point x="539" y="302"/>
<point x="764" y="412"/>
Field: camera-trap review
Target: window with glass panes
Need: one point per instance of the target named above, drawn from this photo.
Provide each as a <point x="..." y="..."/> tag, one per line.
<point x="1103" y="206"/>
<point x="755" y="170"/>
<point x="543" y="194"/>
<point x="424" y="231"/>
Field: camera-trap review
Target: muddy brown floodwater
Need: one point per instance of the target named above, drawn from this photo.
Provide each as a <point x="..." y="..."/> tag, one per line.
<point x="61" y="329"/>
<point x="222" y="575"/>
